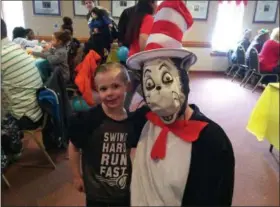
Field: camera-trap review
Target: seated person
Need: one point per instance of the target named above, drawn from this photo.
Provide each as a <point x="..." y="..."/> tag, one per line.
<point x="30" y="34"/>
<point x="19" y="83"/>
<point x="56" y="53"/>
<point x="258" y="41"/>
<point x="245" y="42"/>
<point x="269" y="56"/>
<point x="19" y="37"/>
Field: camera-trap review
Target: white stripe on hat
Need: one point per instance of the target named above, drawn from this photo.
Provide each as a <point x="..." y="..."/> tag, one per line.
<point x="164" y="40"/>
<point x="171" y="15"/>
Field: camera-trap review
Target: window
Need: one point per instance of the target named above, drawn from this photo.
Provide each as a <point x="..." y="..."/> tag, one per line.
<point x="10" y="8"/>
<point x="228" y="28"/>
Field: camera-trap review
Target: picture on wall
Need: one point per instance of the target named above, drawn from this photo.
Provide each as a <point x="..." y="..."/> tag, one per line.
<point x="266" y="12"/>
<point x="79" y="7"/>
<point x="117" y="7"/>
<point x="198" y="9"/>
<point x="51" y="8"/>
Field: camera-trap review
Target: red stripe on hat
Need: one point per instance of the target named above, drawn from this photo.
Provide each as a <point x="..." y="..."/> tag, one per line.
<point x="180" y="7"/>
<point x="168" y="28"/>
<point x="152" y="46"/>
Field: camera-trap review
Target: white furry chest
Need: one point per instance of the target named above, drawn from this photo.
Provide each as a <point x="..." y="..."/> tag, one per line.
<point x="159" y="182"/>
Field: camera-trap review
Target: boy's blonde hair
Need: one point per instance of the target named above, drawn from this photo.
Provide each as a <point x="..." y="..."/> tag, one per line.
<point x="275" y="34"/>
<point x="113" y="66"/>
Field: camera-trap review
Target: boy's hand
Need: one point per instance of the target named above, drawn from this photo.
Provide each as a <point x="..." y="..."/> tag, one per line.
<point x="79" y="184"/>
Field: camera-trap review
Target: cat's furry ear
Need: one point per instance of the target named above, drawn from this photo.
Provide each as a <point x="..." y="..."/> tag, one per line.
<point x="187" y="62"/>
<point x="184" y="63"/>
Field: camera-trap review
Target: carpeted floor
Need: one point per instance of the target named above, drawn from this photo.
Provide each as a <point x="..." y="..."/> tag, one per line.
<point x="257" y="170"/>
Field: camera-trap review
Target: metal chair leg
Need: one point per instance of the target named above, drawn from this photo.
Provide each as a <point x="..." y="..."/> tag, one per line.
<point x="257" y="84"/>
<point x="42" y="147"/>
<point x="6" y="181"/>
<point x="248" y="79"/>
<point x="232" y="67"/>
<point x="271" y="148"/>
<point x="236" y="73"/>
<point x="245" y="77"/>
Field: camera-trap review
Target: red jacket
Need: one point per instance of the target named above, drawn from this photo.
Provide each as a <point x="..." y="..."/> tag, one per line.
<point x="83" y="80"/>
<point x="269" y="56"/>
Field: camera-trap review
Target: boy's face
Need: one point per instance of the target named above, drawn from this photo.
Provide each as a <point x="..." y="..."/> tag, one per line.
<point x="111" y="88"/>
<point x="89" y="5"/>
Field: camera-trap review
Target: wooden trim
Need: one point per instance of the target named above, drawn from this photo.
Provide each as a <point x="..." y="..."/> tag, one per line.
<point x="196" y="44"/>
<point x="49" y="38"/>
<point x="218" y="54"/>
<point x="185" y="43"/>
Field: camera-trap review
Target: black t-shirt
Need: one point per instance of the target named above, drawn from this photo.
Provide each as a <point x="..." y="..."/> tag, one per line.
<point x="105" y="145"/>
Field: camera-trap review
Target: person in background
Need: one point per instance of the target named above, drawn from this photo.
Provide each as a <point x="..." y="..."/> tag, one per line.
<point x="140" y="25"/>
<point x="245" y="42"/>
<point x="30" y="34"/>
<point x="72" y="46"/>
<point x="137" y="32"/>
<point x="269" y="56"/>
<point x="89" y="6"/>
<point x="56" y="53"/>
<point x="258" y="41"/>
<point x="19" y="37"/>
<point x="123" y="23"/>
<point x="103" y="133"/>
<point x="20" y="80"/>
<point x="100" y="39"/>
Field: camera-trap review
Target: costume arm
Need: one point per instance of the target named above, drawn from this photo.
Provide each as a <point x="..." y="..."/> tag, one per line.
<point x="226" y="183"/>
<point x="211" y="178"/>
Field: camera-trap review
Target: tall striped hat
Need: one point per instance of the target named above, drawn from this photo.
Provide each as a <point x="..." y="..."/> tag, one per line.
<point x="172" y="20"/>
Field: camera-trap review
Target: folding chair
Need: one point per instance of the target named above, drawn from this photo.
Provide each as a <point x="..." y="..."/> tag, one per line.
<point x="241" y="61"/>
<point x="253" y="64"/>
<point x="257" y="72"/>
<point x="39" y="142"/>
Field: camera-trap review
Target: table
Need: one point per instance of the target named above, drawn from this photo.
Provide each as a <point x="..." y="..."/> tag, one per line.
<point x="264" y="120"/>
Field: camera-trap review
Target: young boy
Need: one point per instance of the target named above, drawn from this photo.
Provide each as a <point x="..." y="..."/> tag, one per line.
<point x="102" y="133"/>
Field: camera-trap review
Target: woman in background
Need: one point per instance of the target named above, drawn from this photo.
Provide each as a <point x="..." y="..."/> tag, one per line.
<point x="269" y="56"/>
<point x="140" y="25"/>
<point x="137" y="32"/>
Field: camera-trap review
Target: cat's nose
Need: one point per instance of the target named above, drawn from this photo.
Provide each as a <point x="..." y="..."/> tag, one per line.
<point x="158" y="88"/>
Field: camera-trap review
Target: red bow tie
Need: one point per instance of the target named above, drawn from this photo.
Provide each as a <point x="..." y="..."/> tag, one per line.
<point x="186" y="130"/>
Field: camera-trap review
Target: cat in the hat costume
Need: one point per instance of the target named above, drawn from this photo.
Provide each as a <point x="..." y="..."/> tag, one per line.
<point x="182" y="158"/>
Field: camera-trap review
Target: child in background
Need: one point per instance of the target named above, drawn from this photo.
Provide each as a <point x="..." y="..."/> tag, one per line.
<point x="72" y="46"/>
<point x="30" y="34"/>
<point x="56" y="53"/>
<point x="103" y="133"/>
<point x="19" y="37"/>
